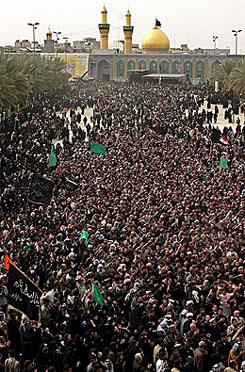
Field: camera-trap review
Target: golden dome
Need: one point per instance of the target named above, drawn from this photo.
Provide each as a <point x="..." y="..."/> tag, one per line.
<point x="49" y="31"/>
<point x="156" y="40"/>
<point x="104" y="10"/>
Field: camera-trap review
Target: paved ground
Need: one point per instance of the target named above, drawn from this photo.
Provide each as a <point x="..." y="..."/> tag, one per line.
<point x="88" y="113"/>
<point x="221" y="123"/>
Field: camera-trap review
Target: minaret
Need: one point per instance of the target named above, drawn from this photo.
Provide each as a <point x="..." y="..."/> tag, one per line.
<point x="128" y="32"/>
<point x="49" y="34"/>
<point x="104" y="28"/>
<point x="49" y="43"/>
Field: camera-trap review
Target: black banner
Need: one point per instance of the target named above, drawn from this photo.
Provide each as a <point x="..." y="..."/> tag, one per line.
<point x="71" y="184"/>
<point x="23" y="294"/>
<point x="41" y="190"/>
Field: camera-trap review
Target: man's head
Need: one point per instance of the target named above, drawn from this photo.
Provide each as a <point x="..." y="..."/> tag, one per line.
<point x="51" y="369"/>
<point x="138" y="357"/>
<point x="202" y="345"/>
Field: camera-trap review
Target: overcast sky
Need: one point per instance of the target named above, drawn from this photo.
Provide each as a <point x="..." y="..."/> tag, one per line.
<point x="192" y="22"/>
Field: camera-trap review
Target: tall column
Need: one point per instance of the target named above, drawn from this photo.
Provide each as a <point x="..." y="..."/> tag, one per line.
<point x="128" y="32"/>
<point x="104" y="28"/>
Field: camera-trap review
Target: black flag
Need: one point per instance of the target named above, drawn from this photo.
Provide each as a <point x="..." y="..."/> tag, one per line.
<point x="23" y="294"/>
<point x="71" y="184"/>
<point x="158" y="23"/>
<point x="41" y="190"/>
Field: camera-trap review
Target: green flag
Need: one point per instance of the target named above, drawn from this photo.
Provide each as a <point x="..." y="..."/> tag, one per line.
<point x="65" y="97"/>
<point x="83" y="289"/>
<point x="223" y="162"/>
<point x="97" y="148"/>
<point x="204" y="178"/>
<point x="84" y="236"/>
<point x="97" y="295"/>
<point x="52" y="158"/>
<point x="173" y="105"/>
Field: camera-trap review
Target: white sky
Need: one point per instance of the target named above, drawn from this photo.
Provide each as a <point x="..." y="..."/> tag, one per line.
<point x="184" y="21"/>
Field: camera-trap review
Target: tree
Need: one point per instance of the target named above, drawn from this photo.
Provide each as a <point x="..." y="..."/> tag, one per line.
<point x="222" y="73"/>
<point x="237" y="79"/>
<point x="21" y="76"/>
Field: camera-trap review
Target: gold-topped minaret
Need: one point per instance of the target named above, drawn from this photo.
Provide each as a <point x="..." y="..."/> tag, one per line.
<point x="49" y="34"/>
<point x="104" y="28"/>
<point x="128" y="32"/>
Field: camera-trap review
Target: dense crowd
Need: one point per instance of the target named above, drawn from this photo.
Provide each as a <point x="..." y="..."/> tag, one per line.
<point x="165" y="233"/>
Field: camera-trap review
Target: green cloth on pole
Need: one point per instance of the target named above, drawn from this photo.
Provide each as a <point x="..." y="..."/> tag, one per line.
<point x="223" y="162"/>
<point x="84" y="236"/>
<point x="97" y="148"/>
<point x="52" y="158"/>
<point x="97" y="295"/>
<point x="204" y="178"/>
<point x="173" y="105"/>
<point x="65" y="97"/>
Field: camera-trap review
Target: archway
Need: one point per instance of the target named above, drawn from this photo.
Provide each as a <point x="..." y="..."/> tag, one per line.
<point x="188" y="69"/>
<point x="153" y="67"/>
<point x="131" y="67"/>
<point x="200" y="69"/>
<point x="176" y="67"/>
<point x="142" y="65"/>
<point x="103" y="70"/>
<point x="164" y="67"/>
<point x="120" y="69"/>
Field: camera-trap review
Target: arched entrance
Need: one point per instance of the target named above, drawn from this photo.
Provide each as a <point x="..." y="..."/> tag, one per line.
<point x="142" y="65"/>
<point x="103" y="70"/>
<point x="120" y="69"/>
<point x="164" y="67"/>
<point x="200" y="69"/>
<point x="153" y="67"/>
<point x="188" y="70"/>
<point x="131" y="67"/>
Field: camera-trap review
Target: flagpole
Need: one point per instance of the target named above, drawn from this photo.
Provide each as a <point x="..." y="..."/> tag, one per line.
<point x="27" y="206"/>
<point x="7" y="318"/>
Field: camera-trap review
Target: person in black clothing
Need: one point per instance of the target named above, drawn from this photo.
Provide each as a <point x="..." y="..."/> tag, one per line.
<point x="138" y="364"/>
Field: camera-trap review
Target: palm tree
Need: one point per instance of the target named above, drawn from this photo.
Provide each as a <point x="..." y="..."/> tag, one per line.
<point x="21" y="76"/>
<point x="222" y="73"/>
<point x="237" y="79"/>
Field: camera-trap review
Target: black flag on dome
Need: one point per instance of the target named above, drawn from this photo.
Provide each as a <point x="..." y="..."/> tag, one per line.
<point x="158" y="23"/>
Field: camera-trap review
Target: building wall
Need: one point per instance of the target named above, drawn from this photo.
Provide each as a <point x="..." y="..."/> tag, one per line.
<point x="195" y="66"/>
<point x="76" y="64"/>
<point x="48" y="46"/>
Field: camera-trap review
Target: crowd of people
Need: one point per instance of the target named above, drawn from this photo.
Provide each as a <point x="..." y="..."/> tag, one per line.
<point x="165" y="231"/>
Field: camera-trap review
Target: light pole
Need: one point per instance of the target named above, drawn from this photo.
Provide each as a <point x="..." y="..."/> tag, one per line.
<point x="57" y="33"/>
<point x="34" y="27"/>
<point x="214" y="41"/>
<point x="66" y="39"/>
<point x="235" y="34"/>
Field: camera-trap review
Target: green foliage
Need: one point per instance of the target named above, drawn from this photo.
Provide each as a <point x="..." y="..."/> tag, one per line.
<point x="231" y="76"/>
<point x="222" y="73"/>
<point x="22" y="77"/>
<point x="237" y="79"/>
